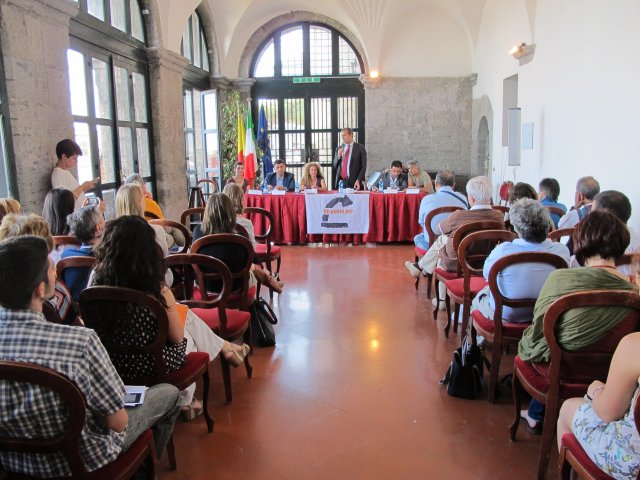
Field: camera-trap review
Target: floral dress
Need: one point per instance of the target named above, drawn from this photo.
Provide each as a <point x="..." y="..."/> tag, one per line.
<point x="612" y="446"/>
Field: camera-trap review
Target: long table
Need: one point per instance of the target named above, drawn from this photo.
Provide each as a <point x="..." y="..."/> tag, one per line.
<point x="392" y="218"/>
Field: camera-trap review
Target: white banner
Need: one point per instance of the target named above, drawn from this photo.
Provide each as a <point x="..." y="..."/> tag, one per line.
<point x="337" y="213"/>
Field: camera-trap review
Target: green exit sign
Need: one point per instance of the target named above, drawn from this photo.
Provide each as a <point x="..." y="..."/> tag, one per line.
<point x="306" y="79"/>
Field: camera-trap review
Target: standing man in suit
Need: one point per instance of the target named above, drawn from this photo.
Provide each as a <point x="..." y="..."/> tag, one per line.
<point x="280" y="179"/>
<point x="350" y="162"/>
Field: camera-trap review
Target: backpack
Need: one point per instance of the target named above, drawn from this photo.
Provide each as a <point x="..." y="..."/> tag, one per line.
<point x="262" y="321"/>
<point x="463" y="378"/>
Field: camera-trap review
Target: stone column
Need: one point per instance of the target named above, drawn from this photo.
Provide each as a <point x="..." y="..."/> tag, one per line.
<point x="166" y="69"/>
<point x="35" y="39"/>
<point x="244" y="85"/>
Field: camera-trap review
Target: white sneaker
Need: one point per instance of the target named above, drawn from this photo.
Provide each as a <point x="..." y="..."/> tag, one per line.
<point x="413" y="270"/>
<point x="441" y="306"/>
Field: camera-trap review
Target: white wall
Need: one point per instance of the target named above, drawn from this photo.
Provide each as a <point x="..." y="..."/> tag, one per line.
<point x="580" y="91"/>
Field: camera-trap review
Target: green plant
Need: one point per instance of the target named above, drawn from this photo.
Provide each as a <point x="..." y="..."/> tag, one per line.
<point x="230" y="108"/>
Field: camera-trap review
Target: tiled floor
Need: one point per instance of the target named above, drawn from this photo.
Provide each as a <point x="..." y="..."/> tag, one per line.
<point x="351" y="390"/>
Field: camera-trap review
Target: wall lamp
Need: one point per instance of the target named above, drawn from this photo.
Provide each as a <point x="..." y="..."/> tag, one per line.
<point x="523" y="52"/>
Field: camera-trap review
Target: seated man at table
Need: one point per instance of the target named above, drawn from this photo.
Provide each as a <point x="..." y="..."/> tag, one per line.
<point x="281" y="179"/>
<point x="394" y="177"/>
<point x="418" y="178"/>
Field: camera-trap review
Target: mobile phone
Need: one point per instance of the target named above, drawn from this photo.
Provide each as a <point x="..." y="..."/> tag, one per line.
<point x="93" y="201"/>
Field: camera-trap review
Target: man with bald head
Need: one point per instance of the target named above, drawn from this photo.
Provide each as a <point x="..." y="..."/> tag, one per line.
<point x="586" y="189"/>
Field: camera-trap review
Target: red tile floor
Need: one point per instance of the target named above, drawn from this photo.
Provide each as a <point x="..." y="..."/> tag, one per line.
<point x="351" y="389"/>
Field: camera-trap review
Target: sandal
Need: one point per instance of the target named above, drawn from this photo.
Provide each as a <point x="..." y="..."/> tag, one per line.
<point x="191" y="411"/>
<point x="275" y="283"/>
<point x="235" y="359"/>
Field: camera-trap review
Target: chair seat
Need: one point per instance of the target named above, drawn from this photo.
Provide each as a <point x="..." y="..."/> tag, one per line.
<point x="509" y="329"/>
<point x="237" y="320"/>
<point x="570" y="440"/>
<point x="456" y="286"/>
<point x="441" y="273"/>
<point x="190" y="371"/>
<point x="132" y="456"/>
<point x="420" y="252"/>
<point x="234" y="297"/>
<point x="536" y="376"/>
<point x="261" y="250"/>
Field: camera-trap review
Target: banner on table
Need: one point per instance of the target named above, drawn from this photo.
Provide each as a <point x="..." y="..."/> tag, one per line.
<point x="337" y="213"/>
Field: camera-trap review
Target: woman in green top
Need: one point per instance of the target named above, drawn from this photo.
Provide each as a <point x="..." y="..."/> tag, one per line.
<point x="599" y="240"/>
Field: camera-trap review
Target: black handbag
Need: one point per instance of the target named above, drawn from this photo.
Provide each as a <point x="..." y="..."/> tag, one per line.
<point x="463" y="378"/>
<point x="262" y="321"/>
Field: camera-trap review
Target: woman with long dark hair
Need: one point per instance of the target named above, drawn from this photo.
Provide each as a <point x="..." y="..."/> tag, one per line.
<point x="58" y="205"/>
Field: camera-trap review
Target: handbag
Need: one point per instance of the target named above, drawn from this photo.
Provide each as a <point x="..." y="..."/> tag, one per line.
<point x="463" y="378"/>
<point x="263" y="319"/>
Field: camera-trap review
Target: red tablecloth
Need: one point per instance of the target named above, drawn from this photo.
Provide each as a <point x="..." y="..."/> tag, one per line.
<point x="392" y="218"/>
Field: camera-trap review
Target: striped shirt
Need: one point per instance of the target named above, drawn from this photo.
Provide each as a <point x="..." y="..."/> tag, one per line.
<point x="30" y="411"/>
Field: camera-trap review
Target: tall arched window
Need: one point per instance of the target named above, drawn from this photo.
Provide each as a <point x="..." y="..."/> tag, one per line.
<point x="307" y="79"/>
<point x="108" y="76"/>
<point x="201" y="132"/>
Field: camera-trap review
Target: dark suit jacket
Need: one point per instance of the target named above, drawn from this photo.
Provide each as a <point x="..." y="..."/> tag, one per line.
<point x="288" y="182"/>
<point x="402" y="183"/>
<point x="357" y="165"/>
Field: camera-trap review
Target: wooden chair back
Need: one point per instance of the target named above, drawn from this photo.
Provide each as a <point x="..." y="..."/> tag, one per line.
<point x="208" y="186"/>
<point x="428" y="221"/>
<point x="501" y="208"/>
<point x="185" y="231"/>
<point x="556" y="210"/>
<point x="556" y="235"/>
<point x="59" y="240"/>
<point x="626" y="259"/>
<point x="468" y="228"/>
<point x="187" y="217"/>
<point x="264" y="237"/>
<point x="74" y="262"/>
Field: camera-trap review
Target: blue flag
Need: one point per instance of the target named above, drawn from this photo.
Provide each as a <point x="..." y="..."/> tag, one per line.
<point x="262" y="142"/>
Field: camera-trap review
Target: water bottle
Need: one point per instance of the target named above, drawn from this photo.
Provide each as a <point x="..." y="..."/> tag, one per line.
<point x="265" y="188"/>
<point x="340" y="186"/>
<point x="297" y="187"/>
<point x="380" y="185"/>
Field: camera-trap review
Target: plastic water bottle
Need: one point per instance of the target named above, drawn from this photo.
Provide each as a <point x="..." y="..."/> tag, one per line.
<point x="265" y="188"/>
<point x="297" y="187"/>
<point x="341" y="186"/>
<point x="380" y="185"/>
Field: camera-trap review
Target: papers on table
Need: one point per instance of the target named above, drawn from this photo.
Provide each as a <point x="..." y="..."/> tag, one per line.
<point x="254" y="192"/>
<point x="310" y="191"/>
<point x="134" y="395"/>
<point x="390" y="190"/>
<point x="412" y="191"/>
<point x="278" y="192"/>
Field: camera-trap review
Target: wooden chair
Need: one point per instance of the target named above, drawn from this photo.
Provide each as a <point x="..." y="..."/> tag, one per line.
<point x="196" y="198"/>
<point x="187" y="217"/>
<point x="501" y="208"/>
<point x="102" y="306"/>
<point x="569" y="373"/>
<point x="265" y="250"/>
<point x="428" y="224"/>
<point x="441" y="275"/>
<point x="556" y="210"/>
<point x="229" y="324"/>
<point x="84" y="264"/>
<point x="503" y="334"/>
<point x="207" y="187"/>
<point x="59" y="240"/>
<point x="67" y="442"/>
<point x="556" y="235"/>
<point x="185" y="231"/>
<point x="573" y="456"/>
<point x="463" y="290"/>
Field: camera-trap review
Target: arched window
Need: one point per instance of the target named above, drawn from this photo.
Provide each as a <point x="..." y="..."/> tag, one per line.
<point x="110" y="94"/>
<point x="307" y="77"/>
<point x="201" y="132"/>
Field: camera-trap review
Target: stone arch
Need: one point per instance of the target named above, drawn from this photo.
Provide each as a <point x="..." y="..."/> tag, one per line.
<point x="482" y="131"/>
<point x="206" y="17"/>
<point x="266" y="30"/>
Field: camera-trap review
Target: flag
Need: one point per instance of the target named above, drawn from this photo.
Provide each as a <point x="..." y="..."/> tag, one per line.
<point x="250" y="159"/>
<point x="262" y="142"/>
<point x="240" y="139"/>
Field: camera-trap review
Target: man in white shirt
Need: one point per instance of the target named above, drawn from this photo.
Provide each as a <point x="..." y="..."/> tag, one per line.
<point x="586" y="189"/>
<point x="67" y="152"/>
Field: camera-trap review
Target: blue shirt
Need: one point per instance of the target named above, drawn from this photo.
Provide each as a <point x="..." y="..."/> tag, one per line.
<point x="547" y="202"/>
<point x="76" y="278"/>
<point x="439" y="199"/>
<point x="524" y="280"/>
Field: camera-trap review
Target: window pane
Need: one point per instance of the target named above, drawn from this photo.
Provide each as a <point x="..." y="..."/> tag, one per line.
<point x="294" y="113"/>
<point x="77" y="83"/>
<point x="186" y="42"/>
<point x="81" y="132"/>
<point x="274" y="143"/>
<point x="320" y="50"/>
<point x="122" y="93"/>
<point x="4" y="182"/>
<point x="101" y="88"/>
<point x="320" y="113"/>
<point x="190" y="154"/>
<point x="126" y="152"/>
<point x="96" y="8"/>
<point x="347" y="112"/>
<point x="109" y="199"/>
<point x="144" y="162"/>
<point x="265" y="64"/>
<point x="295" y="148"/>
<point x="213" y="161"/>
<point x="291" y="51"/>
<point x="188" y="109"/>
<point x="348" y="61"/>
<point x="195" y="40"/>
<point x="105" y="154"/>
<point x="118" y="15"/>
<point x="321" y="141"/>
<point x="210" y="112"/>
<point x="271" y="111"/>
<point x="137" y="27"/>
<point x="205" y="53"/>
<point x="140" y="97"/>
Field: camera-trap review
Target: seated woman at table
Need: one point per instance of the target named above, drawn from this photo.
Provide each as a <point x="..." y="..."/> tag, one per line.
<point x="603" y="420"/>
<point x="220" y="217"/>
<point x="600" y="239"/>
<point x="312" y="177"/>
<point x="238" y="178"/>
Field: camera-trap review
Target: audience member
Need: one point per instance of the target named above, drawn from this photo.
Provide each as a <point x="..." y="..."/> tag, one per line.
<point x="87" y="225"/>
<point x="280" y="179"/>
<point x="26" y="279"/>
<point x="7" y="206"/>
<point x="522" y="190"/>
<point x="124" y="259"/>
<point x="58" y="205"/>
<point x="586" y="189"/>
<point x="394" y="177"/>
<point x="312" y="177"/>
<point x="235" y="194"/>
<point x="444" y="197"/>
<point x="619" y="204"/>
<point x="67" y="152"/>
<point x="239" y="177"/>
<point x="418" y="178"/>
<point x="603" y="420"/>
<point x="599" y="240"/>
<point x="350" y="162"/>
<point x="548" y="193"/>
<point x="532" y="223"/>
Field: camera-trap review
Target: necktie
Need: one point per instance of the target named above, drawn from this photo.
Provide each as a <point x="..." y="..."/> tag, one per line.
<point x="345" y="163"/>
